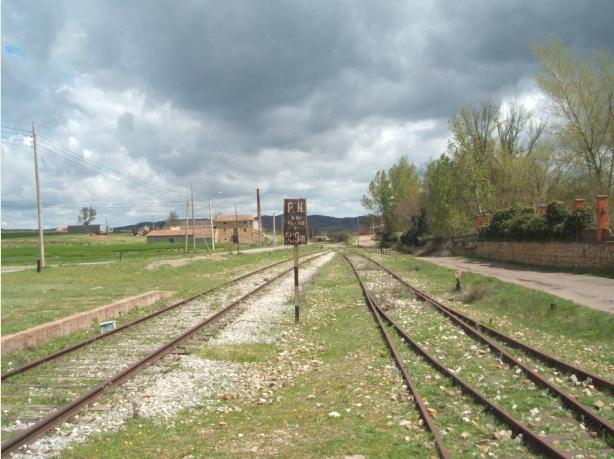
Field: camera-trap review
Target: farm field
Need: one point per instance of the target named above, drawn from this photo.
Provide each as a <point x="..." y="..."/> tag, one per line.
<point x="22" y="249"/>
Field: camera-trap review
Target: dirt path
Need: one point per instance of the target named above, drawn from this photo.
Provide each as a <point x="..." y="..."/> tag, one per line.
<point x="592" y="291"/>
<point x="17" y="268"/>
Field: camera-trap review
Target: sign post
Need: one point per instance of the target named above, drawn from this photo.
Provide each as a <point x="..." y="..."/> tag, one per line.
<point x="295" y="233"/>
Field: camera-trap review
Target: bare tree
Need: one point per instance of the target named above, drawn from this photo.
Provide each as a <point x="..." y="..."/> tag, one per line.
<point x="582" y="96"/>
<point x="87" y="215"/>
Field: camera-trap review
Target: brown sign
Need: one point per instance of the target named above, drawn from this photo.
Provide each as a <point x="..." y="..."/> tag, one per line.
<point x="295" y="221"/>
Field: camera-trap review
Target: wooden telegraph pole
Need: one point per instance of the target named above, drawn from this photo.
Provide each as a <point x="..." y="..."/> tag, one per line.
<point x="274" y="232"/>
<point x="39" y="206"/>
<point x="193" y="222"/>
<point x="187" y="224"/>
<point x="211" y="224"/>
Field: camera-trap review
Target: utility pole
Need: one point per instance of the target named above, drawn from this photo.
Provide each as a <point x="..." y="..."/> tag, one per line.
<point x="237" y="230"/>
<point x="187" y="224"/>
<point x="211" y="224"/>
<point x="274" y="232"/>
<point x="193" y="222"/>
<point x="41" y="240"/>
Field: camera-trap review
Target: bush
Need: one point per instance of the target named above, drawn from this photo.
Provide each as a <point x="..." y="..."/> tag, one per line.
<point x="339" y="236"/>
<point x="577" y="221"/>
<point x="523" y="224"/>
<point x="389" y="238"/>
<point x="418" y="228"/>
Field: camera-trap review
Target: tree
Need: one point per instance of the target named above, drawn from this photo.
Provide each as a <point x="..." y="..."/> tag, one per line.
<point x="406" y="187"/>
<point x="582" y="97"/>
<point x="446" y="213"/>
<point x="172" y="219"/>
<point x="379" y="198"/>
<point x="472" y="147"/>
<point x="87" y="215"/>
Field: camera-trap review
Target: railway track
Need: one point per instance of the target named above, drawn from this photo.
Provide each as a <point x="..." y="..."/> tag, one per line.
<point x="447" y="349"/>
<point x="38" y="396"/>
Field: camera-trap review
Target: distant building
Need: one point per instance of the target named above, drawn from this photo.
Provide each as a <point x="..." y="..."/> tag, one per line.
<point x="85" y="229"/>
<point x="198" y="222"/>
<point x="176" y="235"/>
<point x="229" y="227"/>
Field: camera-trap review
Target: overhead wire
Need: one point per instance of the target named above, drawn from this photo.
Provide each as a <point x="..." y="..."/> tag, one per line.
<point x="54" y="149"/>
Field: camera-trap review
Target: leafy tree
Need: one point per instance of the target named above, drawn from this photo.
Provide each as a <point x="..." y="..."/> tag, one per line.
<point x="172" y="219"/>
<point x="582" y="97"/>
<point x="472" y="147"/>
<point x="446" y="213"/>
<point x="406" y="185"/>
<point x="86" y="215"/>
<point x="379" y="197"/>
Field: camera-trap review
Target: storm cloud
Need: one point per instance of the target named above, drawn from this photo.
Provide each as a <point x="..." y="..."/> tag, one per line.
<point x="302" y="98"/>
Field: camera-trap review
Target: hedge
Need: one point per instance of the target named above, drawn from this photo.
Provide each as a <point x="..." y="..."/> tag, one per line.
<point x="523" y="224"/>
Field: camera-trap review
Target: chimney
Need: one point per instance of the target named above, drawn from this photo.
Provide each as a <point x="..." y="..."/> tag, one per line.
<point x="482" y="220"/>
<point x="602" y="216"/>
<point x="579" y="203"/>
<point x="259" y="216"/>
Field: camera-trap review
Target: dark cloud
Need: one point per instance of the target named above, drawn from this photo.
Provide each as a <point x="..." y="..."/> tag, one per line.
<point x="296" y="97"/>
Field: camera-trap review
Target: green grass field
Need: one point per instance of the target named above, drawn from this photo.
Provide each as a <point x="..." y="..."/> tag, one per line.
<point x="30" y="298"/>
<point x="22" y="249"/>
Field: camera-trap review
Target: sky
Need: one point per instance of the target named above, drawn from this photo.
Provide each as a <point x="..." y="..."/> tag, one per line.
<point x="136" y="101"/>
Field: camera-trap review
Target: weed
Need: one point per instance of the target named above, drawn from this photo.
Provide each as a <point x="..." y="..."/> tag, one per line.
<point x="476" y="292"/>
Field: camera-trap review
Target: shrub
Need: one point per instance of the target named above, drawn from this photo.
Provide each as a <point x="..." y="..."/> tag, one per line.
<point x="418" y="228"/>
<point x="556" y="213"/>
<point x="578" y="220"/>
<point x="339" y="236"/>
<point x="523" y="224"/>
<point x="475" y="293"/>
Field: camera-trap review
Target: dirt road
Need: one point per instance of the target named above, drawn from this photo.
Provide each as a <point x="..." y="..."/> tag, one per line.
<point x="592" y="291"/>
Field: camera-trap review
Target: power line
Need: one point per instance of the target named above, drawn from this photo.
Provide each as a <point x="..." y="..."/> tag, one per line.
<point x="54" y="149"/>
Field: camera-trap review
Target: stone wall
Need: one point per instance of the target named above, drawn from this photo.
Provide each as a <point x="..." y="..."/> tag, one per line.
<point x="553" y="254"/>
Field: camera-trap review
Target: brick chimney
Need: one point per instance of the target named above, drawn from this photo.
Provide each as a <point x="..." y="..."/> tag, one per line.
<point x="482" y="220"/>
<point x="579" y="203"/>
<point x="602" y="217"/>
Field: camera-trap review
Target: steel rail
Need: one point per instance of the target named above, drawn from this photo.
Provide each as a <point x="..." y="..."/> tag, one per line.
<point x="443" y="452"/>
<point x="87" y="341"/>
<point x="569" y="400"/>
<point x="66" y="411"/>
<point x="517" y="426"/>
<point x="597" y="380"/>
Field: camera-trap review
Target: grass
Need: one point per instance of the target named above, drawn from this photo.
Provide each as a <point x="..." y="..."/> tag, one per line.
<point x="524" y="306"/>
<point x="83" y="248"/>
<point x="30" y="298"/>
<point x="602" y="272"/>
<point x="241" y="353"/>
<point x="355" y="379"/>
<point x="571" y="331"/>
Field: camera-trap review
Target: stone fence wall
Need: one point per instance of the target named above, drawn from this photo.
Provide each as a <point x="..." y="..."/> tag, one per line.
<point x="553" y="254"/>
